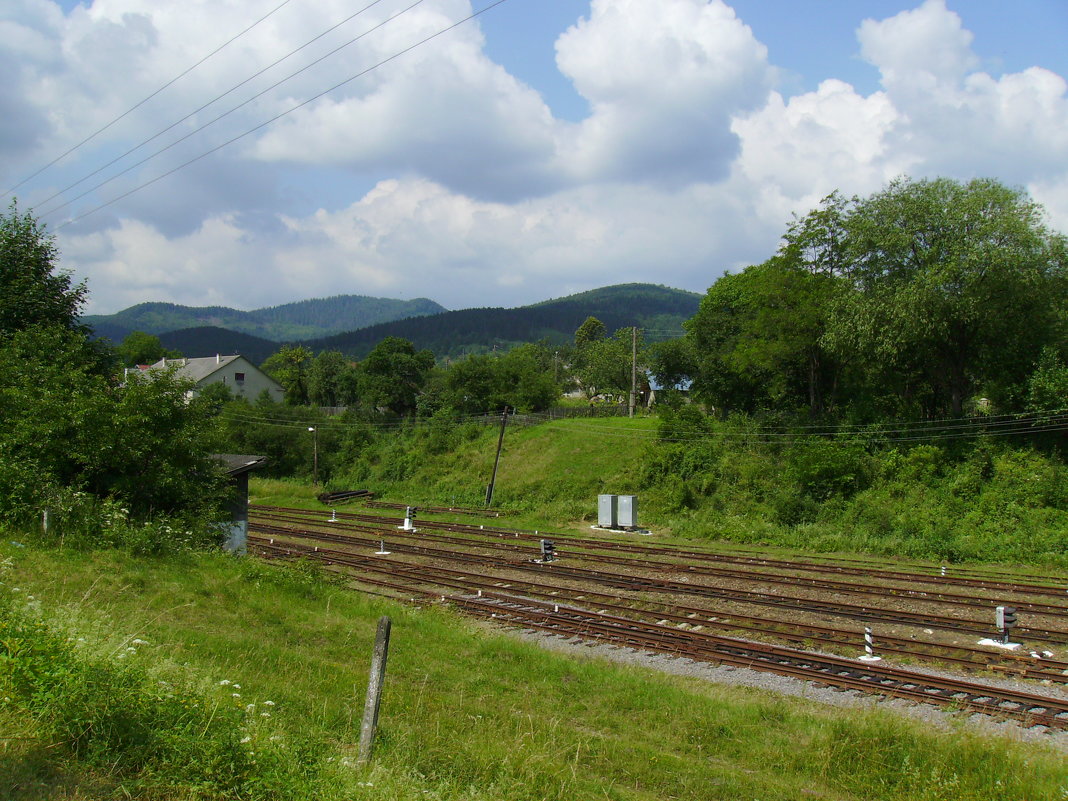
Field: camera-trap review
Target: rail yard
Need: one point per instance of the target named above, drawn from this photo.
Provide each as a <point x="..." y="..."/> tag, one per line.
<point x="803" y="617"/>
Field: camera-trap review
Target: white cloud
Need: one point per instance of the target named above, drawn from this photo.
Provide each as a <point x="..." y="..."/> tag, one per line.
<point x="450" y="178"/>
<point x="416" y="238"/>
<point x="919" y="50"/>
<point x="663" y="80"/>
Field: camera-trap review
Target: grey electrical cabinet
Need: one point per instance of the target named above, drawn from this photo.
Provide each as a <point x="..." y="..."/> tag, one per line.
<point x="627" y="511"/>
<point x="606" y="511"/>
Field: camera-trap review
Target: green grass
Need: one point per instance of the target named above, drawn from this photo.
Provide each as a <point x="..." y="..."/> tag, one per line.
<point x="467" y="713"/>
<point x="978" y="502"/>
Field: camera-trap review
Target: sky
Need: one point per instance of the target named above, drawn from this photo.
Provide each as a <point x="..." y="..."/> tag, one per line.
<point x="543" y="148"/>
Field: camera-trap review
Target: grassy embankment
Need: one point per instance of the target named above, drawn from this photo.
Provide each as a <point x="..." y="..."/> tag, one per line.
<point x="950" y="501"/>
<point x="467" y="713"/>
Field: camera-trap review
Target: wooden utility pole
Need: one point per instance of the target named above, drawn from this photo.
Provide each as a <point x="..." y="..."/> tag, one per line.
<point x="633" y="369"/>
<point x="374" y="690"/>
<point x="497" y="460"/>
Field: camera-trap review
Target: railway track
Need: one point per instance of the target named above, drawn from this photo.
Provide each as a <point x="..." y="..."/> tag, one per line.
<point x="970" y="578"/>
<point x="542" y="585"/>
<point x="1029" y="709"/>
<point x="337" y="531"/>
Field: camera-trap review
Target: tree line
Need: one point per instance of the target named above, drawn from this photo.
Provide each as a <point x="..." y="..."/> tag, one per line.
<point x="928" y="299"/>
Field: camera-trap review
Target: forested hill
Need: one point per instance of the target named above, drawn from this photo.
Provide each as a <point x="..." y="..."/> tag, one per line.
<point x="210" y="340"/>
<point x="304" y="319"/>
<point x="657" y="309"/>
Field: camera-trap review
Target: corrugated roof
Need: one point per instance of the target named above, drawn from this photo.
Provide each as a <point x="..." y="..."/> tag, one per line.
<point x="197" y="369"/>
<point x="236" y="463"/>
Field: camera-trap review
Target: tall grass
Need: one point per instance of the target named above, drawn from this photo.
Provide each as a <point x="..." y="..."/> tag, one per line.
<point x="467" y="713"/>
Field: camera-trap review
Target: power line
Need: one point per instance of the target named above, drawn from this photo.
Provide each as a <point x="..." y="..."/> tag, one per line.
<point x="145" y="100"/>
<point x="280" y="115"/>
<point x="215" y="99"/>
<point x="1029" y="424"/>
<point x="211" y="122"/>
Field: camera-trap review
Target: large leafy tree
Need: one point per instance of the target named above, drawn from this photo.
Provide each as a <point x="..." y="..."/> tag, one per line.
<point x="331" y="380"/>
<point x="959" y="286"/>
<point x="141" y="348"/>
<point x="33" y="291"/>
<point x="68" y="425"/>
<point x="393" y="374"/>
<point x="521" y="379"/>
<point x="289" y="367"/>
<point x="913" y="300"/>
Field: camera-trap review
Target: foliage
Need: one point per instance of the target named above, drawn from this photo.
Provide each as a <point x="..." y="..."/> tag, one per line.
<point x="141" y="348"/>
<point x="332" y="380"/>
<point x="908" y="302"/>
<point x="109" y="713"/>
<point x="289" y="367"/>
<point x="603" y="365"/>
<point x="1047" y="388"/>
<point x="521" y="379"/>
<point x="393" y="374"/>
<point x="281" y="433"/>
<point x="32" y="291"/>
<point x="67" y="428"/>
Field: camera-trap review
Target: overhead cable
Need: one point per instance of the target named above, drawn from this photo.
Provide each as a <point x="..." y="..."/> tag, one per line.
<point x="215" y="99"/>
<point x="140" y="103"/>
<point x="282" y="114"/>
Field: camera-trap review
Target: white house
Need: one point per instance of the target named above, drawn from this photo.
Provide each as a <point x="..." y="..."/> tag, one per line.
<point x="244" y="379"/>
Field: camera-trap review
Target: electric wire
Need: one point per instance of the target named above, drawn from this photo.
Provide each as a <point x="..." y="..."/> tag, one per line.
<point x="214" y="100"/>
<point x="282" y="114"/>
<point x="1025" y="425"/>
<point x="211" y="122"/>
<point x="140" y="103"/>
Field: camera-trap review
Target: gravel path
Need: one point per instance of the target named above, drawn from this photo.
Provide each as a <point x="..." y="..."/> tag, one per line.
<point x="937" y="716"/>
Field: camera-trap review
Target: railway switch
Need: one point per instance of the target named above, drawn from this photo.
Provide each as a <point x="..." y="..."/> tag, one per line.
<point x="1005" y="619"/>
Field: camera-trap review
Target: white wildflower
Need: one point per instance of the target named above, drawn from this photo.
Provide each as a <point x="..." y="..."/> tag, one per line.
<point x="250" y="709"/>
<point x="246" y="739"/>
<point x="268" y="703"/>
<point x="225" y="683"/>
<point x="236" y="695"/>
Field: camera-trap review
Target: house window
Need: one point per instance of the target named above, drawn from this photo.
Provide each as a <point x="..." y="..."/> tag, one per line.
<point x="239" y="377"/>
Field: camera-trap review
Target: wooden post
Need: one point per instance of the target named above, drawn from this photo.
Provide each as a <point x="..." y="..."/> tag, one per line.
<point x="497" y="460"/>
<point x="374" y="690"/>
<point x="633" y="370"/>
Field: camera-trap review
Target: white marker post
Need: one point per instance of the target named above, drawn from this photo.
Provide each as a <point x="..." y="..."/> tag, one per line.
<point x="869" y="647"/>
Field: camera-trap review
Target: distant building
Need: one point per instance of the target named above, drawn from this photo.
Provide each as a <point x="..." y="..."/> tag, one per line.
<point x="244" y="379"/>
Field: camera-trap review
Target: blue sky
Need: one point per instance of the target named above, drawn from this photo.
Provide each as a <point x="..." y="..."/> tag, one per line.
<point x="550" y="147"/>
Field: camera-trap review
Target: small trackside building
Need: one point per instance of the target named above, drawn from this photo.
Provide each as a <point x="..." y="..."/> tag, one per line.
<point x="244" y="379"/>
<point x="237" y="466"/>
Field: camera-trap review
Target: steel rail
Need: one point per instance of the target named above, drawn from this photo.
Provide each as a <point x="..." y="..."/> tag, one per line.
<point x="650" y="584"/>
<point x="1057" y="586"/>
<point x="1028" y="708"/>
<point x="462" y="580"/>
<point x="948" y="599"/>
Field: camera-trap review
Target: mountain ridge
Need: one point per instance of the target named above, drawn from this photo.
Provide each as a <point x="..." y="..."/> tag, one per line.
<point x="302" y="319"/>
<point x="657" y="309"/>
